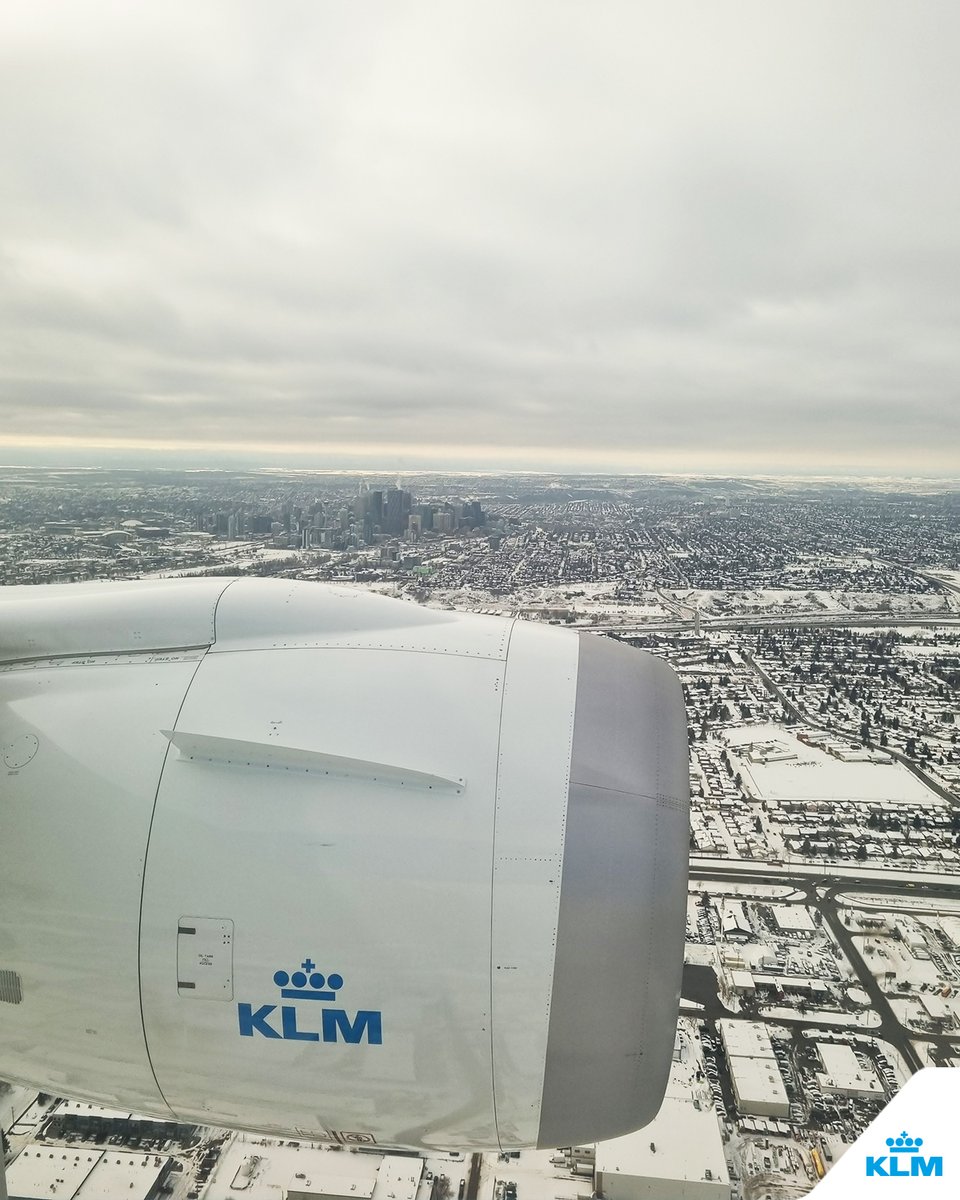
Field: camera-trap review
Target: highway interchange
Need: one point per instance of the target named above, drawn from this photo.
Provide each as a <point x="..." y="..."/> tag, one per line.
<point x="820" y="892"/>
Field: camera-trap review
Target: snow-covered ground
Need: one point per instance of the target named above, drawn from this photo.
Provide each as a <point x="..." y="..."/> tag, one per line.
<point x="789" y="600"/>
<point x="865" y="1018"/>
<point x="916" y="904"/>
<point x="816" y="775"/>
<point x="239" y="556"/>
<point x="759" y="891"/>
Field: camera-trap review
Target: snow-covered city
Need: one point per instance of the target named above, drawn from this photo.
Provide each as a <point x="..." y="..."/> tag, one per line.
<point x="816" y="633"/>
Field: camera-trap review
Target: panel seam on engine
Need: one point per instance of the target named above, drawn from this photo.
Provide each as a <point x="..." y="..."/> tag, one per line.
<point x="439" y="651"/>
<point x="493" y="874"/>
<point x="143" y="879"/>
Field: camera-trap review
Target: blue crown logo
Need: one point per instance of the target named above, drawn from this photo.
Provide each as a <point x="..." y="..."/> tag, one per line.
<point x="320" y="987"/>
<point x="904" y="1143"/>
<point x="903" y="1158"/>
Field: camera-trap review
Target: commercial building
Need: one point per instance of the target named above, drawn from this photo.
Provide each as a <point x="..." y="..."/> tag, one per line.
<point x="366" y="1177"/>
<point x="843" y="1074"/>
<point x="793" y="918"/>
<point x="679" y="1156"/>
<point x="937" y="1011"/>
<point x="68" y="1174"/>
<point x="734" y="922"/>
<point x="94" y="1123"/>
<point x="758" y="1086"/>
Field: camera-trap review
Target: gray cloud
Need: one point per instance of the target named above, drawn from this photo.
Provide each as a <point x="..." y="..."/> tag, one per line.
<point x="605" y="235"/>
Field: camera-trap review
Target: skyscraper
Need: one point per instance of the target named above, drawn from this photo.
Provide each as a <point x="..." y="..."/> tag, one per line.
<point x="398" y="505"/>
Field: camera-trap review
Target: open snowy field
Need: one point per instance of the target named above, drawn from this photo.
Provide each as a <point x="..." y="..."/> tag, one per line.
<point x="771" y="601"/>
<point x="816" y="775"/>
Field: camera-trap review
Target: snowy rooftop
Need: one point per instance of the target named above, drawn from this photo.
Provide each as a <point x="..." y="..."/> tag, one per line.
<point x="745" y="1039"/>
<point x="50" y="1172"/>
<point x="262" y="1170"/>
<point x="758" y="1081"/>
<point x="793" y="917"/>
<point x="840" y="1065"/>
<point x="82" y="1108"/>
<point x="683" y="1141"/>
<point x="53" y="1173"/>
<point x="129" y="1175"/>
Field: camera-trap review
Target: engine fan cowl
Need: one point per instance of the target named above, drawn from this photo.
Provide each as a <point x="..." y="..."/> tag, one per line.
<point x="306" y="860"/>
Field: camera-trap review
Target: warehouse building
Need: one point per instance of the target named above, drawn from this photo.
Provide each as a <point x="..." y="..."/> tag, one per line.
<point x="94" y="1123"/>
<point x="758" y="1086"/>
<point x="370" y="1177"/>
<point x="793" y="918"/>
<point x="937" y="1011"/>
<point x="679" y="1156"/>
<point x="843" y="1075"/>
<point x="69" y="1174"/>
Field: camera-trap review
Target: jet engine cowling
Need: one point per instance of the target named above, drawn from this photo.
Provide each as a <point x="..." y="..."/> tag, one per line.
<point x="305" y="860"/>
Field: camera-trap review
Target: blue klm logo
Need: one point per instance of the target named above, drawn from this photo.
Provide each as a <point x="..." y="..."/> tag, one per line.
<point x="335" y="1023"/>
<point x="903" y="1159"/>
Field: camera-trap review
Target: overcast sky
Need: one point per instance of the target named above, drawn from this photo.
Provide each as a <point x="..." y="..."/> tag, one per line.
<point x="718" y="236"/>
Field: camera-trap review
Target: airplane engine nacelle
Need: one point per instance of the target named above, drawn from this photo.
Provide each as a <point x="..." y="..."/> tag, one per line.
<point x="306" y="860"/>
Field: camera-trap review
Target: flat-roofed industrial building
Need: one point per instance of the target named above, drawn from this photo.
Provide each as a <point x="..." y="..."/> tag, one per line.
<point x="758" y="1086"/>
<point x="843" y="1075"/>
<point x="679" y="1155"/>
<point x="370" y="1177"/>
<point x="39" y="1173"/>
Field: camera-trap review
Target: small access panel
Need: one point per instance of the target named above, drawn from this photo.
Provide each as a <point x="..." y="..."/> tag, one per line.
<point x="205" y="958"/>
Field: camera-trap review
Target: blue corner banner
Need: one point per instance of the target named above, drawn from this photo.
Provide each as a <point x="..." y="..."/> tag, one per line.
<point x="911" y="1149"/>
